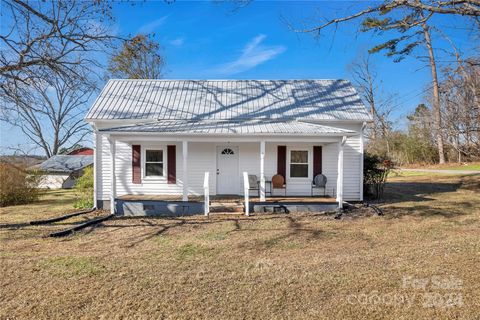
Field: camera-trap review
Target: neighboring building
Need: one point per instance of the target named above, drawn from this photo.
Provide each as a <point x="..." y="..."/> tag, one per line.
<point x="159" y="137"/>
<point x="61" y="171"/>
<point x="84" y="151"/>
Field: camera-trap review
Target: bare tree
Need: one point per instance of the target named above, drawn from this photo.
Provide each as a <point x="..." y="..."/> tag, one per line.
<point x="50" y="110"/>
<point x="48" y="48"/>
<point x="53" y="34"/>
<point x="364" y="76"/>
<point x="461" y="109"/>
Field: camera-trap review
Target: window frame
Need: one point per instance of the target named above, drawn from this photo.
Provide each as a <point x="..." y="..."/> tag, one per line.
<point x="308" y="163"/>
<point x="164" y="162"/>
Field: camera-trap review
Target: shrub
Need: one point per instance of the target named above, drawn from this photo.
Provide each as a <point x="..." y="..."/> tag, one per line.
<point x="17" y="186"/>
<point x="84" y="190"/>
<point x="375" y="172"/>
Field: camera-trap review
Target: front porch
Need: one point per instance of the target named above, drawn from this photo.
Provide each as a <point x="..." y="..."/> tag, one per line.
<point x="163" y="205"/>
<point x="153" y="174"/>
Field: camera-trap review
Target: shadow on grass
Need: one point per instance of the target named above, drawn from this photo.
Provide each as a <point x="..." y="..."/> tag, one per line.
<point x="433" y="196"/>
<point x="416" y="191"/>
<point x="427" y="211"/>
<point x="293" y="228"/>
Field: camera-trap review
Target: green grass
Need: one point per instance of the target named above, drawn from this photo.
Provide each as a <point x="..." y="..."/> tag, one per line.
<point x="71" y="266"/>
<point x="402" y="173"/>
<point x="466" y="167"/>
<point x="51" y="203"/>
<point x="191" y="251"/>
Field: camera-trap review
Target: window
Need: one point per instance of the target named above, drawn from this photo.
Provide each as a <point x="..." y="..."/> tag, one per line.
<point x="228" y="151"/>
<point x="299" y="164"/>
<point x="153" y="163"/>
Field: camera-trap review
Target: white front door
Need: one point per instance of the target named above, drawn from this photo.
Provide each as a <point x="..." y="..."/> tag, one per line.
<point x="228" y="177"/>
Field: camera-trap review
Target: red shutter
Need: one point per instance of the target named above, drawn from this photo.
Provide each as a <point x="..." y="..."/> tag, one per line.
<point x="282" y="161"/>
<point x="317" y="160"/>
<point x="136" y="163"/>
<point x="172" y="164"/>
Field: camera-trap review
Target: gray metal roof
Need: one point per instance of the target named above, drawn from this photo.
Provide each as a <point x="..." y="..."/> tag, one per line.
<point x="228" y="100"/>
<point x="64" y="163"/>
<point x="231" y="127"/>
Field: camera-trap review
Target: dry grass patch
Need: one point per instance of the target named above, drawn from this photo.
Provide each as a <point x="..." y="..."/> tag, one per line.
<point x="263" y="267"/>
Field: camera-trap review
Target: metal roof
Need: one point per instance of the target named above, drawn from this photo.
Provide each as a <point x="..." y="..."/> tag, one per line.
<point x="64" y="163"/>
<point x="228" y="100"/>
<point x="231" y="127"/>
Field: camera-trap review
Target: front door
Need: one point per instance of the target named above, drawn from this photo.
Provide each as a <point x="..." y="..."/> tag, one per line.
<point x="228" y="178"/>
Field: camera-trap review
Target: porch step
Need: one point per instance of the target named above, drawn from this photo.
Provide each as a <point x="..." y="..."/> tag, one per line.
<point x="217" y="207"/>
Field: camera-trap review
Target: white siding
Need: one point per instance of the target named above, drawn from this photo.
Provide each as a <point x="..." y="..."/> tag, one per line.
<point x="202" y="157"/>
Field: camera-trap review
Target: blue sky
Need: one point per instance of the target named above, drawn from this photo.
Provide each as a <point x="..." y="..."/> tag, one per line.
<point x="208" y="40"/>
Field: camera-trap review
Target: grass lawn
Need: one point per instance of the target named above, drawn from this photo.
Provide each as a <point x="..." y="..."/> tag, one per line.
<point x="447" y="166"/>
<point x="420" y="260"/>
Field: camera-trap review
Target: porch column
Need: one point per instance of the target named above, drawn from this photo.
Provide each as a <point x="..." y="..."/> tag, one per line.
<point x="185" y="170"/>
<point x="362" y="145"/>
<point x="95" y="164"/>
<point x="341" y="143"/>
<point x="113" y="178"/>
<point x="262" y="170"/>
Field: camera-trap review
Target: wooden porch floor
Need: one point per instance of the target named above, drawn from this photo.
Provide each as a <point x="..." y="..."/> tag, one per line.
<point x="228" y="198"/>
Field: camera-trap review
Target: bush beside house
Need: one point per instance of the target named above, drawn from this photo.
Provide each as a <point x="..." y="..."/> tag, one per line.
<point x="17" y="186"/>
<point x="84" y="189"/>
<point x="375" y="172"/>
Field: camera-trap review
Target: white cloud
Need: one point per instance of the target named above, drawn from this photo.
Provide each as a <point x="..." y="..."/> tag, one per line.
<point x="253" y="54"/>
<point x="178" y="42"/>
<point x="152" y="25"/>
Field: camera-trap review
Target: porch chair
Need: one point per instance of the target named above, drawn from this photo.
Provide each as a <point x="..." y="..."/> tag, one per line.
<point x="319" y="182"/>
<point x="254" y="183"/>
<point x="278" y="182"/>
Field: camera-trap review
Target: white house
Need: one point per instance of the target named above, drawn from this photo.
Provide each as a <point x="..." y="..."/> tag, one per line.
<point x="160" y="137"/>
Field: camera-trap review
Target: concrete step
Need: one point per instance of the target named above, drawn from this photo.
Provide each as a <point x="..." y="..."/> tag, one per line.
<point x="226" y="207"/>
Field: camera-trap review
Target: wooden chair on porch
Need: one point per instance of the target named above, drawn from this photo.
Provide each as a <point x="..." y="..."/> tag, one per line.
<point x="278" y="182"/>
<point x="319" y="182"/>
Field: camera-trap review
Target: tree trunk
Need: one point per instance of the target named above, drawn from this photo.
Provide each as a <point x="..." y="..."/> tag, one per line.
<point x="437" y="118"/>
<point x="373" y="110"/>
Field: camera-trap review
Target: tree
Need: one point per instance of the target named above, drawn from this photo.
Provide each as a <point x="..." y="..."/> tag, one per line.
<point x="469" y="8"/>
<point x="460" y="96"/>
<point x="408" y="19"/>
<point x="47" y="64"/>
<point x="420" y="146"/>
<point x="365" y="77"/>
<point x="52" y="34"/>
<point x="50" y="111"/>
<point x="139" y="58"/>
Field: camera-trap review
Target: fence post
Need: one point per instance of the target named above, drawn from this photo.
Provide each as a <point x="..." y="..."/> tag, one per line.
<point x="206" y="193"/>
<point x="246" y="187"/>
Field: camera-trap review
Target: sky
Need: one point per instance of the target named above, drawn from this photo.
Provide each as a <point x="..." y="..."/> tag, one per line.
<point x="212" y="40"/>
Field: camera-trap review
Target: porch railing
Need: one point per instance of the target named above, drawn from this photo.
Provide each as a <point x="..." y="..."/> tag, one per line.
<point x="246" y="192"/>
<point x="206" y="194"/>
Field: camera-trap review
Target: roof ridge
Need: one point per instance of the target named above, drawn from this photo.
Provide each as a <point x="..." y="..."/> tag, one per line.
<point x="225" y="80"/>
